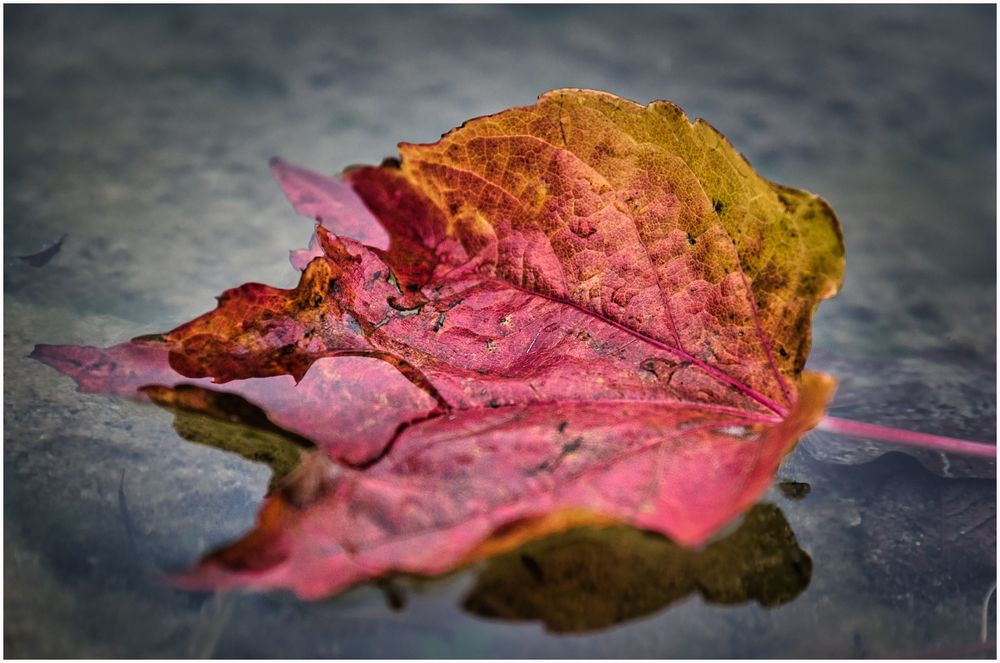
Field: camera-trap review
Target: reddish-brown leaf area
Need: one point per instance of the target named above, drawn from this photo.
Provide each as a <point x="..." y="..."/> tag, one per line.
<point x="541" y="321"/>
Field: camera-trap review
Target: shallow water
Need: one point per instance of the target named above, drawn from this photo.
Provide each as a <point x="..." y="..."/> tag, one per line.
<point x="144" y="133"/>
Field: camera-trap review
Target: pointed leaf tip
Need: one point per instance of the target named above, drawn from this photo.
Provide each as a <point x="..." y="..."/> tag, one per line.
<point x="331" y="202"/>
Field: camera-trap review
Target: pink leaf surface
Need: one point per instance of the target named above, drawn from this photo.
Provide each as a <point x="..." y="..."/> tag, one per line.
<point x="332" y="203"/>
<point x="451" y="483"/>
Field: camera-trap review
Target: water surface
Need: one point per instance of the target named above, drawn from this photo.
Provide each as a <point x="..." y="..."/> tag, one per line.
<point x="144" y="133"/>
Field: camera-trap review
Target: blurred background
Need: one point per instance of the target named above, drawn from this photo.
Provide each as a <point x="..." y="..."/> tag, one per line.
<point x="144" y="133"/>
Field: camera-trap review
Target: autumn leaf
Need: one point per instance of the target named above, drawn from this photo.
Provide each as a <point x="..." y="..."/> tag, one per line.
<point x="581" y="312"/>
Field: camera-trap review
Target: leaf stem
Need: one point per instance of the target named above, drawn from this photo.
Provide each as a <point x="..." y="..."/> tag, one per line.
<point x="898" y="436"/>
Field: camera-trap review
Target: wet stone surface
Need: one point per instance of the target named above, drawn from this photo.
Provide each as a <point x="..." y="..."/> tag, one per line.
<point x="145" y="133"/>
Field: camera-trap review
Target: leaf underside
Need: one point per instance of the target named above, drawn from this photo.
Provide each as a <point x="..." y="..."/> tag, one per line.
<point x="579" y="312"/>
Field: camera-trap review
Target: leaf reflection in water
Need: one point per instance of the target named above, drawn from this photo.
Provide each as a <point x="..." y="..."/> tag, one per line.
<point x="229" y="423"/>
<point x="589" y="579"/>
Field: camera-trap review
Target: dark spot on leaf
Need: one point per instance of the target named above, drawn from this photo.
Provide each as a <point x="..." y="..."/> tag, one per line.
<point x="562" y="426"/>
<point x="104" y="365"/>
<point x="692" y="241"/>
<point x="570" y="447"/>
<point x="718" y="205"/>
<point x="352" y="323"/>
<point x="657" y="366"/>
<point x="507" y="529"/>
<point x="440" y="322"/>
<point x="391" y="162"/>
<point x="403" y="309"/>
<point x="786" y="202"/>
<point x="494" y="403"/>
<point x="783" y="352"/>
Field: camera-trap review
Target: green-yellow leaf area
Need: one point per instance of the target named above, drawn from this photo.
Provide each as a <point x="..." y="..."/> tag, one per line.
<point x="645" y="217"/>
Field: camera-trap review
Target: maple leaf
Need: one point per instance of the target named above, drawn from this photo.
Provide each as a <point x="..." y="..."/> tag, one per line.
<point x="580" y="312"/>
